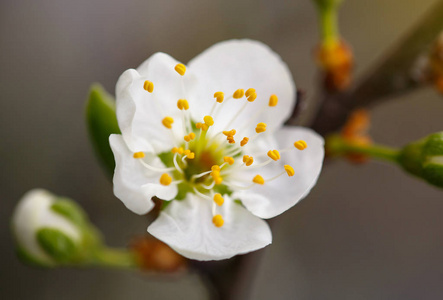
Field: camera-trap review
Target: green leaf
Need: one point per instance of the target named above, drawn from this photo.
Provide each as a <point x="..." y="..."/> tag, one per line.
<point x="101" y="122"/>
<point x="57" y="244"/>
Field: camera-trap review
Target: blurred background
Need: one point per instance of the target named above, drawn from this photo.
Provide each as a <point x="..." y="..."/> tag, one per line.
<point x="364" y="232"/>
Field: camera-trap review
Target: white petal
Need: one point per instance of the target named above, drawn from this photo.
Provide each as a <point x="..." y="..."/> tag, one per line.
<point x="234" y="64"/>
<point x="275" y="197"/>
<point x="134" y="184"/>
<point x="186" y="226"/>
<point x="140" y="113"/>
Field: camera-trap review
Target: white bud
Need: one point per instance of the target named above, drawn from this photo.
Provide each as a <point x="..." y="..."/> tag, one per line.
<point x="33" y="213"/>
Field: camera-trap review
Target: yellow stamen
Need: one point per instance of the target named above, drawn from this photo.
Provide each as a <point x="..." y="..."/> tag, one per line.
<point x="244" y="141"/>
<point x="167" y="122"/>
<point x="248" y="160"/>
<point x="218" y="199"/>
<point x="229" y="133"/>
<point x="218" y="220"/>
<point x="209" y="121"/>
<point x="252" y="97"/>
<point x="300" y="145"/>
<point x="180" y="69"/>
<point x="261" y="127"/>
<point x="183" y="104"/>
<point x="218" y="179"/>
<point x="231" y="139"/>
<point x="258" y="179"/>
<point x="215" y="168"/>
<point x="189" y="154"/>
<point x="139" y="155"/>
<point x="201" y="126"/>
<point x="177" y="150"/>
<point x="249" y="92"/>
<point x="239" y="93"/>
<point x="148" y="86"/>
<point x="229" y="160"/>
<point x="274" y="154"/>
<point x="219" y="96"/>
<point x="273" y="100"/>
<point x="289" y="170"/>
<point x="165" y="179"/>
<point x="189" y="137"/>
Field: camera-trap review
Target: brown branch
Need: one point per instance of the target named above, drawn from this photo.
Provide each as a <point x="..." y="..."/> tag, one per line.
<point x="391" y="77"/>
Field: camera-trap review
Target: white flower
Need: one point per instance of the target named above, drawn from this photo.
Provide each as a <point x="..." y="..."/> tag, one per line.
<point x="36" y="224"/>
<point x="190" y="134"/>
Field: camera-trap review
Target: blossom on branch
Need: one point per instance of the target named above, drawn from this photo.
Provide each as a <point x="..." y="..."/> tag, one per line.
<point x="208" y="139"/>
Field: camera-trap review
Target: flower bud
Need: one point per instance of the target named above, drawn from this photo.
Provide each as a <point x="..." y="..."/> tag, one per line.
<point x="49" y="230"/>
<point x="424" y="158"/>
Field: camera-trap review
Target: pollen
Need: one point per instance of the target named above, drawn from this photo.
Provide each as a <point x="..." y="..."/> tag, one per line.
<point x="300" y="145"/>
<point x="209" y="121"/>
<point x="167" y="122"/>
<point x="201" y="126"/>
<point x="258" y="179"/>
<point x="165" y="179"/>
<point x="248" y="160"/>
<point x="244" y="141"/>
<point x="189" y="154"/>
<point x="180" y="69"/>
<point x="274" y="154"/>
<point x="139" y="155"/>
<point x="261" y="127"/>
<point x="273" y="100"/>
<point x="177" y="150"/>
<point x="239" y="93"/>
<point x="218" y="199"/>
<point x="219" y="97"/>
<point x="289" y="170"/>
<point x="251" y="95"/>
<point x="230" y="132"/>
<point x="183" y="104"/>
<point x="148" y="86"/>
<point x="189" y="137"/>
<point x="229" y="160"/>
<point x="231" y="139"/>
<point x="218" y="221"/>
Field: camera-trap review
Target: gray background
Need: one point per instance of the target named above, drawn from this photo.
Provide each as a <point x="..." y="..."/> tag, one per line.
<point x="365" y="232"/>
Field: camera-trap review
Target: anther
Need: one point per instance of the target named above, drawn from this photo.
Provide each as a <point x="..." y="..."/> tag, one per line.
<point x="244" y="141"/>
<point x="183" y="104"/>
<point x="218" y="221"/>
<point x="274" y="154"/>
<point x="219" y="96"/>
<point x="251" y="95"/>
<point x="273" y="100"/>
<point x="248" y="160"/>
<point x="215" y="168"/>
<point x="238" y="94"/>
<point x="209" y="121"/>
<point x="180" y="69"/>
<point x="231" y="139"/>
<point x="148" y="86"/>
<point x="230" y="132"/>
<point x="218" y="199"/>
<point x="165" y="179"/>
<point x="258" y="179"/>
<point x="177" y="150"/>
<point x="229" y="160"/>
<point x="189" y="137"/>
<point x="289" y="170"/>
<point x="300" y="145"/>
<point x="201" y="126"/>
<point x="261" y="127"/>
<point x="189" y="154"/>
<point x="167" y="122"/>
<point x="139" y="155"/>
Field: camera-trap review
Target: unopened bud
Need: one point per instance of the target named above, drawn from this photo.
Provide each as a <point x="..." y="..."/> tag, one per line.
<point x="424" y="158"/>
<point x="49" y="230"/>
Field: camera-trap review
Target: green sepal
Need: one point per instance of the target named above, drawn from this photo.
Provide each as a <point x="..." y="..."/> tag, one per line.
<point x="28" y="259"/>
<point x="57" y="245"/>
<point x="420" y="159"/>
<point x="101" y="123"/>
<point x="327" y="4"/>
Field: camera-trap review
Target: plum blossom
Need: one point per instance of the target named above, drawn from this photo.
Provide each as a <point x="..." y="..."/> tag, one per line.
<point x="208" y="139"/>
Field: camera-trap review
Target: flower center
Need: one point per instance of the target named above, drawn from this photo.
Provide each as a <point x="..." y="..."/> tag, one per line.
<point x="203" y="161"/>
